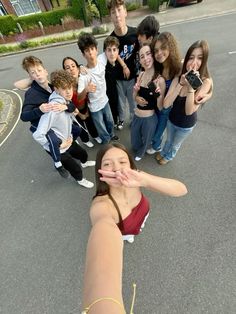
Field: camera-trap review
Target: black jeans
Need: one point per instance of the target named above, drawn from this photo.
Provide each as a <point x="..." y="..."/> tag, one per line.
<point x="69" y="162"/>
<point x="89" y="125"/>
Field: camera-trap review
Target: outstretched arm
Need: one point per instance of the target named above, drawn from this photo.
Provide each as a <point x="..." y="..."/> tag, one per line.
<point x="133" y="178"/>
<point x="103" y="271"/>
<point x="23" y="84"/>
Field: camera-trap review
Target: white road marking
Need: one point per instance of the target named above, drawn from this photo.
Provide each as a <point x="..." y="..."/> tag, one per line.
<point x="231" y="52"/>
<point x="11" y="91"/>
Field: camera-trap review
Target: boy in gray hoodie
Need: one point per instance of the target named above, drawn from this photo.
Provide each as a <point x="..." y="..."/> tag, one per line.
<point x="61" y="124"/>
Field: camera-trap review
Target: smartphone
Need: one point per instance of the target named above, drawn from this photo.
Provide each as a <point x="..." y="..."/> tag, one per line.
<point x="194" y="80"/>
<point x="152" y="87"/>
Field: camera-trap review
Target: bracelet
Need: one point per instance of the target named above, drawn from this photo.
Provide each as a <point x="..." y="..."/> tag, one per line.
<point x="87" y="309"/>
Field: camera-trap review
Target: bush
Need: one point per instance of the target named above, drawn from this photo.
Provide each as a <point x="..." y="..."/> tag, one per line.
<point x="132" y="6"/>
<point x="103" y="7"/>
<point x="97" y="30"/>
<point x="24" y="44"/>
<point x="7" y="24"/>
<point x="154" y="5"/>
<point x="92" y="11"/>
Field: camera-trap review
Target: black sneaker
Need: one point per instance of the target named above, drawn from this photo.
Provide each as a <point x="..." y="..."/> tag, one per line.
<point x="63" y="172"/>
<point x="115" y="138"/>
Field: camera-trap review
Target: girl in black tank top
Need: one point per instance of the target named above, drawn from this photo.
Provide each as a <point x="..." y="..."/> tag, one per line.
<point x="144" y="122"/>
<point x="183" y="114"/>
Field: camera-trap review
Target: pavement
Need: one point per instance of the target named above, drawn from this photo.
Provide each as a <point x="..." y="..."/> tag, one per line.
<point x="12" y="103"/>
<point x="184" y="262"/>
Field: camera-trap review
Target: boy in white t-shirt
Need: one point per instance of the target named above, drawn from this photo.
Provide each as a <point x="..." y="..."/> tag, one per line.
<point x="94" y="84"/>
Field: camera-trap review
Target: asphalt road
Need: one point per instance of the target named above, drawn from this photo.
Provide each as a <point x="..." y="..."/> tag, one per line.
<point x="184" y="260"/>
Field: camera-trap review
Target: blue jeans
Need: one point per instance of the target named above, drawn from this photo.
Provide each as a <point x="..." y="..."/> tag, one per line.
<point x="162" y="121"/>
<point x="104" y="123"/>
<point x="175" y="137"/>
<point x="125" y="90"/>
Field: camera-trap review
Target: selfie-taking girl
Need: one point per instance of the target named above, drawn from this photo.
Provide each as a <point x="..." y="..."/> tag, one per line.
<point x="144" y="122"/>
<point x="185" y="99"/>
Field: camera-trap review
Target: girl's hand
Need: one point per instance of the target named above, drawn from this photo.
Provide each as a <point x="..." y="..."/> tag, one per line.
<point x="156" y="81"/>
<point x="109" y="177"/>
<point x="183" y="80"/>
<point x="83" y="116"/>
<point x="136" y="87"/>
<point x="141" y="101"/>
<point x="200" y="99"/>
<point x="76" y="112"/>
<point x="125" y="177"/>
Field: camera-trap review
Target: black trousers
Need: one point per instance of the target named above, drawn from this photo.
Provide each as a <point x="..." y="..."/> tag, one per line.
<point x="68" y="160"/>
<point x="89" y="125"/>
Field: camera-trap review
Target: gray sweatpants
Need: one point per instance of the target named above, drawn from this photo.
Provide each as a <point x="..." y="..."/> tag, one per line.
<point x="142" y="132"/>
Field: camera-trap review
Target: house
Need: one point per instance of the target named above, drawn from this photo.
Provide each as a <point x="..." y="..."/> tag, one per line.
<point x="24" y="7"/>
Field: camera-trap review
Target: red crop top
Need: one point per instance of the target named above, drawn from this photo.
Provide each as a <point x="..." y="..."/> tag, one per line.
<point x="133" y="222"/>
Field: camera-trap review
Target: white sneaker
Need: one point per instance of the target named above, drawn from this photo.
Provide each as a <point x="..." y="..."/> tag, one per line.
<point x="88" y="163"/>
<point x="128" y="237"/>
<point x="98" y="140"/>
<point x="120" y="125"/>
<point x="151" y="151"/>
<point x="87" y="184"/>
<point x="137" y="158"/>
<point x="89" y="144"/>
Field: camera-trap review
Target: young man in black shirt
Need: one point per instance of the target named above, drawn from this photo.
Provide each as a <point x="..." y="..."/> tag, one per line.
<point x="128" y="48"/>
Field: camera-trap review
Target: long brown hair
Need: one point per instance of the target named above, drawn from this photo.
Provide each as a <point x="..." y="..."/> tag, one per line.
<point x="169" y="42"/>
<point x="203" y="70"/>
<point x="156" y="69"/>
<point x="102" y="188"/>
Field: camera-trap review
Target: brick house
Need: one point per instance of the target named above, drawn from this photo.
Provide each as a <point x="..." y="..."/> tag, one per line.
<point x="24" y="7"/>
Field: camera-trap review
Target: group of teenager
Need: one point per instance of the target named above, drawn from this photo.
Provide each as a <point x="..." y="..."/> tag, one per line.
<point x="143" y="68"/>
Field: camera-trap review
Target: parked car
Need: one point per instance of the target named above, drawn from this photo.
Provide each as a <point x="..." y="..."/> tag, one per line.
<point x="175" y="3"/>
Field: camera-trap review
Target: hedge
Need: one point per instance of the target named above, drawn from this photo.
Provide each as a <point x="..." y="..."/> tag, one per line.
<point x="7" y="24"/>
<point x="154" y="5"/>
<point x="47" y="18"/>
<point x="102" y="7"/>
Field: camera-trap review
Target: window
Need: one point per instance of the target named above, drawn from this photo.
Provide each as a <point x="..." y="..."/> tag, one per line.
<point x="2" y="10"/>
<point x="25" y="7"/>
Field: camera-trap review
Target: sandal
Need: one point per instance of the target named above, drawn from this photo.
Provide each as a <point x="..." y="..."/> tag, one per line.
<point x="158" y="156"/>
<point x="163" y="161"/>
